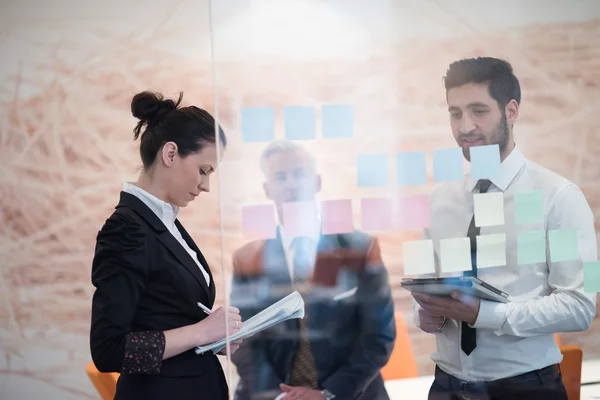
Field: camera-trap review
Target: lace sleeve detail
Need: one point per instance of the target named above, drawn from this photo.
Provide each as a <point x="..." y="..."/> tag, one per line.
<point x="143" y="353"/>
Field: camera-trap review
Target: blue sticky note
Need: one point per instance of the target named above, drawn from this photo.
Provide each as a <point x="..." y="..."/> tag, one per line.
<point x="485" y="161"/>
<point x="563" y="245"/>
<point x="258" y="124"/>
<point x="448" y="165"/>
<point x="372" y="170"/>
<point x="591" y="276"/>
<point x="531" y="247"/>
<point x="338" y="121"/>
<point x="410" y="168"/>
<point x="529" y="207"/>
<point x="300" y="123"/>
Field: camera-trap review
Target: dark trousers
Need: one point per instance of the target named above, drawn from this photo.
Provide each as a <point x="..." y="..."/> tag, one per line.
<point x="542" y="384"/>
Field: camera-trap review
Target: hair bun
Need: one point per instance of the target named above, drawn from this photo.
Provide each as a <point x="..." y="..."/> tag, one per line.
<point x="146" y="105"/>
<point x="149" y="107"/>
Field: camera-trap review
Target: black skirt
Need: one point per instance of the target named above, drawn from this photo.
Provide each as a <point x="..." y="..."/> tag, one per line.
<point x="211" y="385"/>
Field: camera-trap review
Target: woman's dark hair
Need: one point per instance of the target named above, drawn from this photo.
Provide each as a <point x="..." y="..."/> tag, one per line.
<point x="503" y="84"/>
<point x="191" y="128"/>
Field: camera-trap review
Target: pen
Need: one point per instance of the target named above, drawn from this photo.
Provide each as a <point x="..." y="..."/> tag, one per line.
<point x="204" y="308"/>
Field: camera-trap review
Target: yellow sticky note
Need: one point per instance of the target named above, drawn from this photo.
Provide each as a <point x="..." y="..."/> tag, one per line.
<point x="489" y="209"/>
<point x="455" y="255"/>
<point x="418" y="257"/>
<point x="491" y="250"/>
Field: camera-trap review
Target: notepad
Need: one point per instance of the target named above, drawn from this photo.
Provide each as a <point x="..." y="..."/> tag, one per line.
<point x="290" y="307"/>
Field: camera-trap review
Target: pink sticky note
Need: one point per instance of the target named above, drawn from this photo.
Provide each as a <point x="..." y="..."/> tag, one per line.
<point x="337" y="216"/>
<point x="414" y="211"/>
<point x="300" y="219"/>
<point x="258" y="221"/>
<point x="376" y="214"/>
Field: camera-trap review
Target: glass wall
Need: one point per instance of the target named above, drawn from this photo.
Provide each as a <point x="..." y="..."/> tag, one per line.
<point x="355" y="91"/>
<point x="348" y="98"/>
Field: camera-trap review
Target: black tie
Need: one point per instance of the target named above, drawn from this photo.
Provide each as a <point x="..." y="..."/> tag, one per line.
<point x="468" y="340"/>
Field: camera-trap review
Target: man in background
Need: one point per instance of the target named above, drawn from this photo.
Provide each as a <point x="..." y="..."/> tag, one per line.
<point x="485" y="349"/>
<point x="348" y="333"/>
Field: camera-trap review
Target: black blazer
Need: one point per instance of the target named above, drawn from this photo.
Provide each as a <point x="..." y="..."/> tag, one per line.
<point x="147" y="283"/>
<point x="352" y="337"/>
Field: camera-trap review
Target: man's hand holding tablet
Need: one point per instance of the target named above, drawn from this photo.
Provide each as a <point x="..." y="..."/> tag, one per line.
<point x="459" y="307"/>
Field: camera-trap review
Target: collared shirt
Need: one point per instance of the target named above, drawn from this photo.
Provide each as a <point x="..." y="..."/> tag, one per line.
<point x="288" y="244"/>
<point x="167" y="213"/>
<point x="546" y="297"/>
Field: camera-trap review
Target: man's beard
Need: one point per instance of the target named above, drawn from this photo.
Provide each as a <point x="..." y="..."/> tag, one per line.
<point x="499" y="136"/>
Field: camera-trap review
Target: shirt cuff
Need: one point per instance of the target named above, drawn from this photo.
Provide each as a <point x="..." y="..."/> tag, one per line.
<point x="143" y="353"/>
<point x="492" y="315"/>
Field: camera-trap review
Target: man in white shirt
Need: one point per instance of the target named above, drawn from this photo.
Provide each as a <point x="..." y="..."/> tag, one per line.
<point x="489" y="350"/>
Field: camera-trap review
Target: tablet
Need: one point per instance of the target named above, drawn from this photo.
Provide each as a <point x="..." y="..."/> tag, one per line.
<point x="465" y="284"/>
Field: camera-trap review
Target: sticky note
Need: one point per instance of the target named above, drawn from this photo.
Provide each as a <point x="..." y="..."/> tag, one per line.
<point x="489" y="209"/>
<point x="448" y="165"/>
<point x="258" y="221"/>
<point x="338" y="121"/>
<point x="591" y="276"/>
<point x="415" y="212"/>
<point x="563" y="245"/>
<point x="485" y="161"/>
<point x="410" y="168"/>
<point x="418" y="257"/>
<point x="491" y="250"/>
<point x="300" y="123"/>
<point x="258" y="124"/>
<point x="529" y="207"/>
<point x="336" y="216"/>
<point x="376" y="214"/>
<point x="531" y="247"/>
<point x="455" y="255"/>
<point x="372" y="170"/>
<point x="301" y="219"/>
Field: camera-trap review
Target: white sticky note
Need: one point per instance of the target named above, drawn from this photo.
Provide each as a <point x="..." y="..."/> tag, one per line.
<point x="455" y="255"/>
<point x="491" y="250"/>
<point x="418" y="257"/>
<point x="489" y="209"/>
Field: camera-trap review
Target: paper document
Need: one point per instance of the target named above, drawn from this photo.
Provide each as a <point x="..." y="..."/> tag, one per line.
<point x="290" y="307"/>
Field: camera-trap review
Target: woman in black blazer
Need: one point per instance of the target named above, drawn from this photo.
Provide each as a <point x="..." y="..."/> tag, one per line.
<point x="148" y="272"/>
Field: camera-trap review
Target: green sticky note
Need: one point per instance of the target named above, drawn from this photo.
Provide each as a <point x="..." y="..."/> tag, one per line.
<point x="531" y="247"/>
<point x="591" y="277"/>
<point x="563" y="245"/>
<point x="529" y="207"/>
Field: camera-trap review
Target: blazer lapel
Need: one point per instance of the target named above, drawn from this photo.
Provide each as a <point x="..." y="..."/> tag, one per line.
<point x="327" y="262"/>
<point x="194" y="267"/>
<point x="130" y="201"/>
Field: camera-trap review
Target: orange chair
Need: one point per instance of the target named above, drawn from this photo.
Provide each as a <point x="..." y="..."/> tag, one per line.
<point x="402" y="363"/>
<point x="571" y="370"/>
<point x="105" y="383"/>
<point x="557" y="339"/>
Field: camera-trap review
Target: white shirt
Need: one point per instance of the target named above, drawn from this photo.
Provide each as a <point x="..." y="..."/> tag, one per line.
<point x="547" y="297"/>
<point x="167" y="213"/>
<point x="289" y="250"/>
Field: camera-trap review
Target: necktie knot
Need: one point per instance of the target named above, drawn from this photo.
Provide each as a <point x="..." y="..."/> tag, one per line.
<point x="484" y="185"/>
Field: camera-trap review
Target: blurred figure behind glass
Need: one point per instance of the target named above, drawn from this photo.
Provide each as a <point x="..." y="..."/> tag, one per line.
<point x="348" y="332"/>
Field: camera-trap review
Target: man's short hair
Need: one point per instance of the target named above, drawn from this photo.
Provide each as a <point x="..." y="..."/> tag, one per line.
<point x="281" y="146"/>
<point x="503" y="84"/>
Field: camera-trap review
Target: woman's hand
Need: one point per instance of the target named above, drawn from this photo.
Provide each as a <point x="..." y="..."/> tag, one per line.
<point x="233" y="347"/>
<point x="212" y="328"/>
